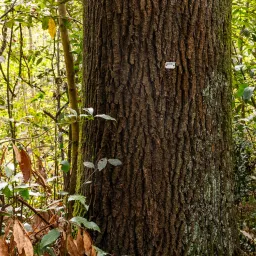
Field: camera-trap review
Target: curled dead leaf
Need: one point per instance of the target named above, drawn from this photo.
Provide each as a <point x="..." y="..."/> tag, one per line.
<point x="17" y="153"/>
<point x="93" y="253"/>
<point x="41" y="181"/>
<point x="24" y="163"/>
<point x="72" y="248"/>
<point x="79" y="242"/>
<point x="21" y="239"/>
<point x="4" y="250"/>
<point x="3" y="155"/>
<point x="87" y="243"/>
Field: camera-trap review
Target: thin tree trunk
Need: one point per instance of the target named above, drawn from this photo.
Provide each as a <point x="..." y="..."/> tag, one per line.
<point x="173" y="195"/>
<point x="72" y="93"/>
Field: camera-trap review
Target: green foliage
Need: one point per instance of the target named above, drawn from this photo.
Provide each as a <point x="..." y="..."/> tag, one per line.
<point x="79" y="198"/>
<point x="244" y="110"/>
<point x="49" y="239"/>
<point x="82" y="221"/>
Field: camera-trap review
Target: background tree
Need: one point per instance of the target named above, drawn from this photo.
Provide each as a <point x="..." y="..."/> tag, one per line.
<point x="173" y="195"/>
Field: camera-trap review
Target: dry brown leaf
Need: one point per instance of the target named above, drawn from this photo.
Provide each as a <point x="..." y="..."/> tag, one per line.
<point x="63" y="244"/>
<point x="3" y="155"/>
<point x="41" y="168"/>
<point x="79" y="242"/>
<point x="25" y="165"/>
<point x="8" y="224"/>
<point x="12" y="246"/>
<point x="21" y="239"/>
<point x="72" y="248"/>
<point x="4" y="250"/>
<point x="41" y="181"/>
<point x="17" y="153"/>
<point x="87" y="243"/>
<point x="93" y="253"/>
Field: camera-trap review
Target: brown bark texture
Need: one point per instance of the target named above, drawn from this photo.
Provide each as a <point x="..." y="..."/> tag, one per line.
<point x="173" y="195"/>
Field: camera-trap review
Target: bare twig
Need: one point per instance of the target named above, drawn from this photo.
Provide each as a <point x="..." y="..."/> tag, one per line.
<point x="35" y="211"/>
<point x="9" y="10"/>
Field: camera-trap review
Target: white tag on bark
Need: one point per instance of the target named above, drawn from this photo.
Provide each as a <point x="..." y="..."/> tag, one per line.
<point x="170" y="65"/>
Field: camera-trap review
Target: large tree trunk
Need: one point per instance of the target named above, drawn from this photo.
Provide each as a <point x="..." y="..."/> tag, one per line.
<point x="173" y="195"/>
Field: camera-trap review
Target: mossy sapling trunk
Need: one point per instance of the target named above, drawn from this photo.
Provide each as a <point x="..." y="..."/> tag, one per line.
<point x="72" y="94"/>
<point x="173" y="195"/>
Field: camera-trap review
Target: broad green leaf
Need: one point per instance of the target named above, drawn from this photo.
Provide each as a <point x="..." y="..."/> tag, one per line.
<point x="100" y="252"/>
<point x="45" y="23"/>
<point x="106" y="117"/>
<point x="24" y="194"/>
<point x="7" y="191"/>
<point x="39" y="61"/>
<point x="248" y="92"/>
<point x="49" y="238"/>
<point x="65" y="166"/>
<point x="79" y="198"/>
<point x="115" y="162"/>
<point x="88" y="224"/>
<point x="239" y="93"/>
<point x="89" y="165"/>
<point x="102" y="163"/>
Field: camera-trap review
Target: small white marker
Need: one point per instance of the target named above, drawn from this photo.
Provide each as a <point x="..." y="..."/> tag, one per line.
<point x="170" y="65"/>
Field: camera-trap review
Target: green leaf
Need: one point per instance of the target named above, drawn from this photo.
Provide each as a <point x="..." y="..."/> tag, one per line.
<point x="24" y="194"/>
<point x="49" y="238"/>
<point x="239" y="93"/>
<point x="39" y="61"/>
<point x="65" y="166"/>
<point x="79" y="198"/>
<point x="8" y="171"/>
<point x="248" y="92"/>
<point x="100" y="252"/>
<point x="7" y="191"/>
<point x="45" y="22"/>
<point x="115" y="162"/>
<point x="88" y="224"/>
<point x="106" y="117"/>
<point x="102" y="163"/>
<point x="89" y="165"/>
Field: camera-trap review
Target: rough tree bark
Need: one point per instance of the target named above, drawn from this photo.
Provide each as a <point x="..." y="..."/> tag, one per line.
<point x="173" y="195"/>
